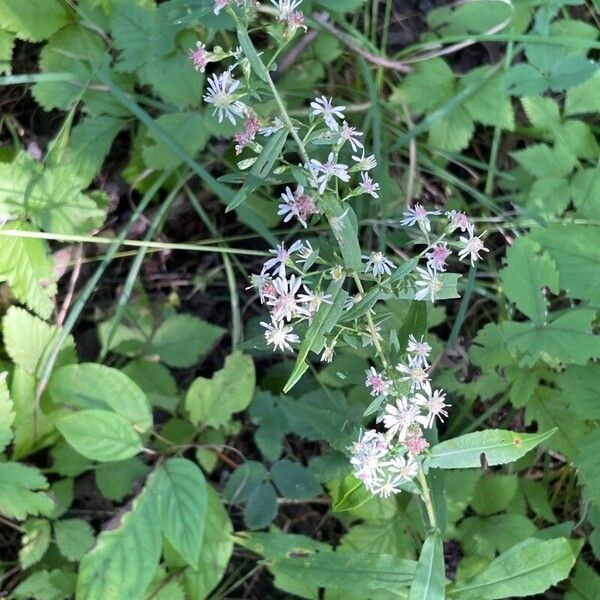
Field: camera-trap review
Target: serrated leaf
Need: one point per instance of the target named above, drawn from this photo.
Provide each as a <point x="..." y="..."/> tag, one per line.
<point x="528" y="568"/>
<point x="91" y="385"/>
<point x="429" y="579"/>
<point x="46" y="585"/>
<point x="452" y="132"/>
<point x="214" y="401"/>
<point x="550" y="196"/>
<point x="499" y="447"/>
<point x="524" y="276"/>
<point x="586" y="462"/>
<point x="35" y="542"/>
<point x="26" y="267"/>
<point x="19" y="491"/>
<point x="570" y="71"/>
<point x="182" y="505"/>
<point x="584" y="98"/>
<point x="181" y="340"/>
<point x="294" y="480"/>
<point x="490" y="104"/>
<point x="525" y="80"/>
<point x="585" y="583"/>
<point x="34" y="21"/>
<point x="7" y="414"/>
<point x="100" y="435"/>
<point x="585" y="191"/>
<point x="541" y="160"/>
<point x="493" y="493"/>
<point x="116" y="480"/>
<point x="74" y="537"/>
<point x="156" y="381"/>
<point x="124" y="560"/>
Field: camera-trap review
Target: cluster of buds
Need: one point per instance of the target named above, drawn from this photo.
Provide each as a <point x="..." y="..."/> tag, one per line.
<point x="385" y="462"/>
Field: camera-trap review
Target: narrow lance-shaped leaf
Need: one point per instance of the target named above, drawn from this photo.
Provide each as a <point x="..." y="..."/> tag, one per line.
<point x="498" y="446"/>
<point x="428" y="582"/>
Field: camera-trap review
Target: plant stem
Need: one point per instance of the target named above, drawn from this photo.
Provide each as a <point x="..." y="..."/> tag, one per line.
<point x="427" y="498"/>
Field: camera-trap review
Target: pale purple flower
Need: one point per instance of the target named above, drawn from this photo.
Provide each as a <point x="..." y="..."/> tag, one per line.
<point x="305" y="252"/>
<point x="285" y="304"/>
<point x="352" y="300"/>
<point x="323" y="106"/>
<point x="416" y="444"/>
<point x="275" y="125"/>
<point x="296" y="204"/>
<point x="414" y="372"/>
<point x="251" y="127"/>
<point x="433" y="402"/>
<point x="419" y="349"/>
<point x="458" y="220"/>
<point x="406" y="467"/>
<point x="263" y="284"/>
<point x="472" y="246"/>
<point x="280" y="335"/>
<point x="436" y="258"/>
<point x="314" y="299"/>
<point x="281" y="256"/>
<point x="325" y="171"/>
<point x="378" y="263"/>
<point x="365" y="163"/>
<point x="419" y="215"/>
<point x="220" y="5"/>
<point x="367" y="455"/>
<point x="368" y="186"/>
<point x="221" y="90"/>
<point x="200" y="57"/>
<point x="378" y="385"/>
<point x="399" y="417"/>
<point x="351" y="135"/>
<point x="429" y="282"/>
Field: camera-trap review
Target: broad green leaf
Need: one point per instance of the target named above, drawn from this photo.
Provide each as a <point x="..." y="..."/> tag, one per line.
<point x="27" y="268"/>
<point x="7" y="42"/>
<point x="188" y="129"/>
<point x="493" y="493"/>
<point x="294" y="480"/>
<point x="540" y="160"/>
<point x="156" y="381"/>
<point x="579" y="137"/>
<point x="217" y="548"/>
<point x="528" y="568"/>
<point x="472" y="18"/>
<point x="322" y="323"/>
<point x="490" y="104"/>
<point x="580" y="385"/>
<point x="62" y="492"/>
<point x="335" y="6"/>
<point x="182" y="506"/>
<point x="429" y="579"/>
<point x="524" y="276"/>
<point x="91" y="385"/>
<point x="587" y="464"/>
<point x="181" y="340"/>
<point x="567" y="338"/>
<point x="584" y="98"/>
<point x="525" y="80"/>
<point x="19" y="491"/>
<point x="550" y="196"/>
<point x="100" y="435"/>
<point x="537" y="495"/>
<point x="117" y="480"/>
<point x="352" y="493"/>
<point x="380" y="536"/>
<point x="74" y="537"/>
<point x="7" y="414"/>
<point x="244" y="480"/>
<point x="499" y="447"/>
<point x="124" y="560"/>
<point x="272" y="424"/>
<point x="570" y="71"/>
<point x="543" y="112"/>
<point x="46" y="585"/>
<point x="584" y="584"/>
<point x="452" y="132"/>
<point x="261" y="506"/>
<point x="214" y="401"/>
<point x="35" y="20"/>
<point x="585" y="191"/>
<point x="35" y="542"/>
<point x="68" y="462"/>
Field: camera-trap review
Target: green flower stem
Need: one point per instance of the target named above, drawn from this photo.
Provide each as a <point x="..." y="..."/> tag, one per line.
<point x="426" y="495"/>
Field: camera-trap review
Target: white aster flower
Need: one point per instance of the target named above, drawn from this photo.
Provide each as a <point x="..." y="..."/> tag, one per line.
<point x="351" y="135"/>
<point x="220" y="5"/>
<point x="221" y="90"/>
<point x="368" y="186"/>
<point x="378" y="263"/>
<point x="388" y="486"/>
<point x="458" y="220"/>
<point x="419" y="215"/>
<point x="337" y="272"/>
<point x="275" y="125"/>
<point x="352" y="300"/>
<point x="305" y="252"/>
<point x="398" y="418"/>
<point x="367" y="455"/>
<point x="328" y="352"/>
<point x="419" y="349"/>
<point x="365" y="163"/>
<point x="296" y="204"/>
<point x="280" y="335"/>
<point x="368" y="335"/>
<point x="285" y="304"/>
<point x="314" y="299"/>
<point x="286" y="7"/>
<point x="325" y="171"/>
<point x="415" y="372"/>
<point x="429" y="282"/>
<point x="323" y="106"/>
<point x="472" y="246"/>
<point x="281" y="257"/>
<point x="433" y="402"/>
<point x="406" y="467"/>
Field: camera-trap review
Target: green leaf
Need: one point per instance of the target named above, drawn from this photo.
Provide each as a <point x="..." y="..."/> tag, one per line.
<point x="90" y="385"/>
<point x="182" y="505"/>
<point x="570" y="71"/>
<point x="7" y="42"/>
<point x="181" y="340"/>
<point x="586" y="462"/>
<point x="585" y="190"/>
<point x="543" y="112"/>
<point x="323" y="322"/>
<point x="550" y="196"/>
<point x="271" y="153"/>
<point x="19" y="495"/>
<point x="493" y="493"/>
<point x="46" y="585"/>
<point x="253" y="58"/>
<point x="244" y="480"/>
<point x="34" y="21"/>
<point x="537" y="496"/>
<point x="379" y="536"/>
<point x="490" y="104"/>
<point x="272" y="424"/>
<point x="74" y="537"/>
<point x="429" y="578"/>
<point x="261" y="507"/>
<point x="124" y="560"/>
<point x="116" y="480"/>
<point x="188" y="129"/>
<point x="525" y="80"/>
<point x="528" y="568"/>
<point x="35" y="542"/>
<point x="584" y="584"/>
<point x="294" y="481"/>
<point x="100" y="435"/>
<point x="344" y="224"/>
<point x="156" y="381"/>
<point x="453" y="132"/>
<point x="584" y="98"/>
<point x="352" y="493"/>
<point x="580" y="385"/>
<point x="499" y="447"/>
<point x="335" y="6"/>
<point x="524" y="277"/>
<point x="26" y="266"/>
<point x="567" y="338"/>
<point x="7" y="414"/>
<point x="540" y="160"/>
<point x="213" y="401"/>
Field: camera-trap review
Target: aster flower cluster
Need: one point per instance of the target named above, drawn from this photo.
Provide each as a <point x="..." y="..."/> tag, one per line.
<point x="387" y="462"/>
